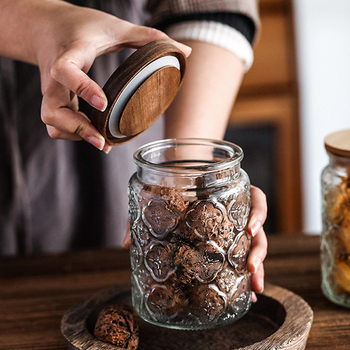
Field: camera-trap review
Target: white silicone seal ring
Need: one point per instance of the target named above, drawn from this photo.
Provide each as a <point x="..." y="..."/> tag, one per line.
<point x="130" y="88"/>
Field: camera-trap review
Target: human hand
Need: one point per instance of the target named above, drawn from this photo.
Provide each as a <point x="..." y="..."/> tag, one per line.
<point x="259" y="241"/>
<point x="73" y="37"/>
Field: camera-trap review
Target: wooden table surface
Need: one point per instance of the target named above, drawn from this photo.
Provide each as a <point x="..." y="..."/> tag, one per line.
<point x="35" y="292"/>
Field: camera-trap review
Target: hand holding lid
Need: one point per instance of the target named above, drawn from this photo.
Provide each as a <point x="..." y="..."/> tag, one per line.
<point x="140" y="91"/>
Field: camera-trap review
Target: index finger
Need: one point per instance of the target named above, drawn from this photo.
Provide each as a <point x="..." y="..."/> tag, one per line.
<point x="69" y="70"/>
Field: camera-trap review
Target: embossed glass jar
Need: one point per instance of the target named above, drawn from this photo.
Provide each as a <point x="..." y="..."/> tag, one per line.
<point x="189" y="204"/>
<point x="335" y="244"/>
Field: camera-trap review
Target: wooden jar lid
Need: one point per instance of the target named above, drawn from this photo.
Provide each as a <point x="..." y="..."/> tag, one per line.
<point x="338" y="143"/>
<point x="139" y="91"/>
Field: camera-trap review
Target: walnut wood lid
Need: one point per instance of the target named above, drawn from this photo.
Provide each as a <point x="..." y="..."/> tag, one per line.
<point x="139" y="91"/>
<point x="338" y="143"/>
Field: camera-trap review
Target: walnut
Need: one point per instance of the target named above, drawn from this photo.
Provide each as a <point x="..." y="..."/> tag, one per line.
<point x="164" y="302"/>
<point x="223" y="236"/>
<point x="203" y="218"/>
<point x="174" y="197"/>
<point x="226" y="279"/>
<point x="202" y="262"/>
<point x="207" y="302"/>
<point x="117" y="324"/>
<point x="241" y="298"/>
<point x="159" y="260"/>
<point x="159" y="218"/>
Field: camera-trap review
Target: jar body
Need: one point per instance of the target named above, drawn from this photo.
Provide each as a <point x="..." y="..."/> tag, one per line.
<point x="189" y="244"/>
<point x="335" y="243"/>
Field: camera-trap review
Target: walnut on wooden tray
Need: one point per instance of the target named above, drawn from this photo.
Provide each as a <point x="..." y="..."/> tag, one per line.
<point x="117" y="324"/>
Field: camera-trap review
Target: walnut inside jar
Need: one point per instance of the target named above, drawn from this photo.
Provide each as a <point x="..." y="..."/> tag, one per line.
<point x="188" y="247"/>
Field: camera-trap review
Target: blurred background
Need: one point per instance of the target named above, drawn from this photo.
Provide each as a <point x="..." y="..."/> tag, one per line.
<point x="296" y="93"/>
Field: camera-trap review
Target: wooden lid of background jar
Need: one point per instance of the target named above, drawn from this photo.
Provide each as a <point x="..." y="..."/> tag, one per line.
<point x="338" y="143"/>
<point x="139" y="91"/>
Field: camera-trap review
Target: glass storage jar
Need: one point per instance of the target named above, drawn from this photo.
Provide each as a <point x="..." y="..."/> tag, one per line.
<point x="189" y="204"/>
<point x="335" y="244"/>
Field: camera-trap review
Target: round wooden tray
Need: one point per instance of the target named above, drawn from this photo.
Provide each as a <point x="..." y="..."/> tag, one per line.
<point x="279" y="320"/>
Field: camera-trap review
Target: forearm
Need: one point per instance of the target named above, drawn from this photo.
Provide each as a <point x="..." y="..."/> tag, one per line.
<point x="22" y="25"/>
<point x="204" y="102"/>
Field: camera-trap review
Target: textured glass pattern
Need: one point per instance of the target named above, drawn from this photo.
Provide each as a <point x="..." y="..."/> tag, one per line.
<point x="189" y="244"/>
<point x="189" y="265"/>
<point x="335" y="246"/>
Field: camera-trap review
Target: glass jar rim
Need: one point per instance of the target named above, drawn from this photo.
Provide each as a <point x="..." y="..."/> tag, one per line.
<point x="235" y="152"/>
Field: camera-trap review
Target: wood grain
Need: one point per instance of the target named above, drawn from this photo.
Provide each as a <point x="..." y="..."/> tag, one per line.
<point x="36" y="291"/>
<point x="124" y="74"/>
<point x="280" y="320"/>
<point x="149" y="101"/>
<point x="277" y="111"/>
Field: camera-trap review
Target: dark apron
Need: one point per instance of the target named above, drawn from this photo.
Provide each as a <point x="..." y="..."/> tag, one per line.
<point x="57" y="195"/>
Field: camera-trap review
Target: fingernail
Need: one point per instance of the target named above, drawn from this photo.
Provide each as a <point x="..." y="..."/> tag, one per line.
<point x="254" y="298"/>
<point x="107" y="148"/>
<point x="98" y="142"/>
<point x="99" y="103"/>
<point x="184" y="48"/>
<point x="189" y="50"/>
<point x="126" y="243"/>
<point x="261" y="286"/>
<point x="255" y="227"/>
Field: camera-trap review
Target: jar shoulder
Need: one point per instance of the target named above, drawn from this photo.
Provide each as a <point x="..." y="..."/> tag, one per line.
<point x="333" y="175"/>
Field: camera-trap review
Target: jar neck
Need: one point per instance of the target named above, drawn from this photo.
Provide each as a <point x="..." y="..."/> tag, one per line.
<point x="186" y="179"/>
<point x="188" y="163"/>
<point x="340" y="164"/>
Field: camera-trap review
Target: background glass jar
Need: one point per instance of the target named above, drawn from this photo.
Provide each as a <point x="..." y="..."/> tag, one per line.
<point x="335" y="244"/>
<point x="189" y="204"/>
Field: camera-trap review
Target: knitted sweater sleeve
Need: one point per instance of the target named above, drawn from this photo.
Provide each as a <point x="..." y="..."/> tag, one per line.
<point x="231" y="24"/>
